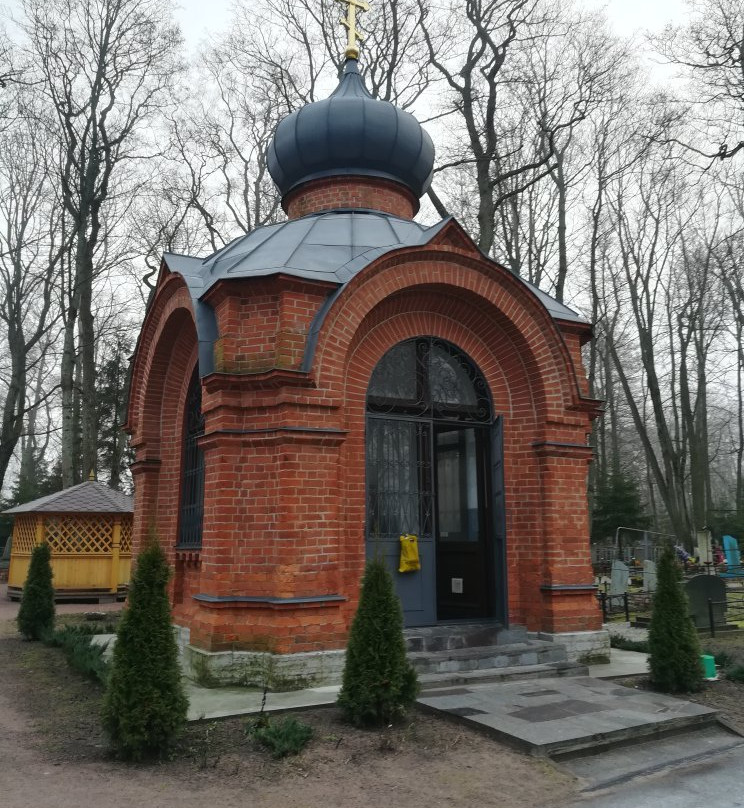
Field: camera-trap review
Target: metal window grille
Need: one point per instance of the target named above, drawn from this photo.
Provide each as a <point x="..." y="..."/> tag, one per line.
<point x="417" y="384"/>
<point x="192" y="479"/>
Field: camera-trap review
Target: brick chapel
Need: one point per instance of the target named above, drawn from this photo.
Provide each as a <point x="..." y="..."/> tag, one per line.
<point x="320" y="386"/>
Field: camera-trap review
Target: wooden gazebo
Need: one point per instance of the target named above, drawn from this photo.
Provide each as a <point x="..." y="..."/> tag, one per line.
<point x="89" y="530"/>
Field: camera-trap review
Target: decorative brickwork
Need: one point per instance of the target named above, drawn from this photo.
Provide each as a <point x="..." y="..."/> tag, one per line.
<point x="351" y="192"/>
<point x="284" y="508"/>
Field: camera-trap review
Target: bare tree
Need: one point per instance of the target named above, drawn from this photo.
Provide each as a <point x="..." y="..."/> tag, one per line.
<point x="710" y="48"/>
<point x="577" y="68"/>
<point x="30" y="252"/>
<point x="729" y="260"/>
<point x="107" y="68"/>
<point x="469" y="47"/>
<point x="648" y="235"/>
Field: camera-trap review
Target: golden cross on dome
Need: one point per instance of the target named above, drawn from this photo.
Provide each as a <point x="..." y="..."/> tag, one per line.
<point x="354" y="34"/>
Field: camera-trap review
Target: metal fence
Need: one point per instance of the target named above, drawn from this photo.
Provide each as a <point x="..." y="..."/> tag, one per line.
<point x="732" y="611"/>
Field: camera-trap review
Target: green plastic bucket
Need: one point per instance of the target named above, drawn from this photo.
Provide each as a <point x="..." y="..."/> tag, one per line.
<point x="709" y="666"/>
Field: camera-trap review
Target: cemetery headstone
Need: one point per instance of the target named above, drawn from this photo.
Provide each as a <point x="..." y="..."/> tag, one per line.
<point x="704" y="548"/>
<point x="649" y="576"/>
<point x="619" y="578"/>
<point x="701" y="588"/>
<point x="731" y="549"/>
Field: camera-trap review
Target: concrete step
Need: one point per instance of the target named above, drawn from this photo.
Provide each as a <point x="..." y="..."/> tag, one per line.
<point x="434" y="681"/>
<point x="650" y="733"/>
<point x="452" y="636"/>
<point x="688" y="745"/>
<point x="569" y="716"/>
<point x="531" y="652"/>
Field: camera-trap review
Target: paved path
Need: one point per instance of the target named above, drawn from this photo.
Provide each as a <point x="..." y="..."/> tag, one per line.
<point x="547" y="716"/>
<point x="711" y="782"/>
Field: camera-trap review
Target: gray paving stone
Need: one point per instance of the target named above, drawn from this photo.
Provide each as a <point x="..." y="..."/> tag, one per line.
<point x="566" y="714"/>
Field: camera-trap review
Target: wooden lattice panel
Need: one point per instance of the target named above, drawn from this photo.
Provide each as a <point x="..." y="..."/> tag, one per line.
<point x="125" y="543"/>
<point x="24" y="534"/>
<point x="79" y="535"/>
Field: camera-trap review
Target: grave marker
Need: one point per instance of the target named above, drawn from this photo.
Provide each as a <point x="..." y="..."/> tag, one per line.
<point x="699" y="589"/>
<point x="649" y="576"/>
<point x="619" y="579"/>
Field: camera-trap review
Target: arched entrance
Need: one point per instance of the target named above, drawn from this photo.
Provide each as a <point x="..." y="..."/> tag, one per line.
<point x="434" y="469"/>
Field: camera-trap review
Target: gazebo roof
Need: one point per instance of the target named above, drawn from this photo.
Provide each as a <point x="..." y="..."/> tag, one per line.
<point x="88" y="497"/>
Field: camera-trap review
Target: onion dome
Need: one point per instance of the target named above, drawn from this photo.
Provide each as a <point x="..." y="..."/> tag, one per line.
<point x="351" y="133"/>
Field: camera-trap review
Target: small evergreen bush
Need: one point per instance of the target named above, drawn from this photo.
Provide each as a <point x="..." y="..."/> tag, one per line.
<point x="625" y="644"/>
<point x="379" y="683"/>
<point x="145" y="705"/>
<point x="735" y="673"/>
<point x="286" y="737"/>
<point x="673" y="644"/>
<point x="36" y="613"/>
<point x="81" y="655"/>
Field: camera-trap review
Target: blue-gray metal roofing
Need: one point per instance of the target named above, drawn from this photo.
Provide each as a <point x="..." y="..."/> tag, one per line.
<point x="332" y="246"/>
<point x="351" y="133"/>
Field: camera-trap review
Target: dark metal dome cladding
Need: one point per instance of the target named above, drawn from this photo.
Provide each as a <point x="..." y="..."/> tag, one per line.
<point x="351" y="133"/>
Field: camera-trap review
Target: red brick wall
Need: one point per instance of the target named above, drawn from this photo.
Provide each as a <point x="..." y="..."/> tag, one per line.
<point x="530" y="390"/>
<point x="285" y="488"/>
<point x="351" y="192"/>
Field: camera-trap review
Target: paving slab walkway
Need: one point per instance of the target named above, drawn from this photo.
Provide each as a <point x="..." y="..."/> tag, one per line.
<point x="562" y="715"/>
<point x="221" y="702"/>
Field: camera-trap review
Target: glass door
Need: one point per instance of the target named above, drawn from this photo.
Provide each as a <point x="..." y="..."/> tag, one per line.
<point x="461" y="463"/>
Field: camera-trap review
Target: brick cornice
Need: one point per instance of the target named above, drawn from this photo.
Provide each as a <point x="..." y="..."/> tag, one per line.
<point x="251" y="602"/>
<point x="262" y="380"/>
<point x="323" y="436"/>
<point x="579" y="451"/>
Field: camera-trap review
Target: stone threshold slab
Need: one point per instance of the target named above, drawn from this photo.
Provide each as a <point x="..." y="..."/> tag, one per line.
<point x="562" y="715"/>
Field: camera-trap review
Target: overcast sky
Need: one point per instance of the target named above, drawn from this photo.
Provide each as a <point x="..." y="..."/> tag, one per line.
<point x="198" y="18"/>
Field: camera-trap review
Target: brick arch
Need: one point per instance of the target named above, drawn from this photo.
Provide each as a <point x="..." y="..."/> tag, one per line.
<point x="508" y="333"/>
<point x="169" y="328"/>
<point x="514" y="392"/>
<point x="164" y="361"/>
<point x="513" y="378"/>
<point x="480" y="287"/>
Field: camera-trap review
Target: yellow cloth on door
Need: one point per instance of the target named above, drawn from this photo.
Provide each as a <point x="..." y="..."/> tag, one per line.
<point x="409" y="555"/>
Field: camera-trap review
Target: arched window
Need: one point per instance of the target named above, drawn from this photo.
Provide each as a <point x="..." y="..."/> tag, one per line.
<point x="417" y="388"/>
<point x="429" y="377"/>
<point x="192" y="478"/>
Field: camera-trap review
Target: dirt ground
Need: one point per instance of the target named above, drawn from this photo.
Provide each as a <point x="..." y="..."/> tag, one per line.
<point x="53" y="754"/>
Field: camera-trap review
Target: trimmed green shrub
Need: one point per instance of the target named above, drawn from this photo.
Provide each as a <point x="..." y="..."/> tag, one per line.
<point x="81" y="655"/>
<point x="735" y="673"/>
<point x="286" y="737"/>
<point x="673" y="644"/>
<point x="36" y="613"/>
<point x="144" y="708"/>
<point x="624" y="644"/>
<point x="379" y="683"/>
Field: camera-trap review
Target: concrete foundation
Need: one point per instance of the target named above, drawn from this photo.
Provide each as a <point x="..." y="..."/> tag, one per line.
<point x="587" y="647"/>
<point x="277" y="672"/>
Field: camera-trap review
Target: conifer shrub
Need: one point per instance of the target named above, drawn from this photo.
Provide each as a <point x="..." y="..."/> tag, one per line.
<point x="285" y="737"/>
<point x="379" y="683"/>
<point x="673" y="643"/>
<point x="36" y="613"/>
<point x="145" y="705"/>
<point x="80" y="652"/>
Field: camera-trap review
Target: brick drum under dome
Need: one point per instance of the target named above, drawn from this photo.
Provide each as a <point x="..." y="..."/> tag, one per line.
<point x="319" y="386"/>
